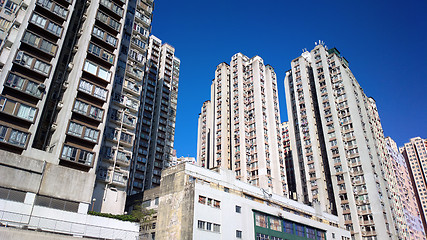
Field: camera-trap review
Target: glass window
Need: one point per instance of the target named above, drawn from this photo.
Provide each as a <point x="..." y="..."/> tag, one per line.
<point x="85" y="86"/>
<point x="209" y="226"/>
<point x="201" y="224"/>
<point x="75" y="129"/>
<point x="3" y="131"/>
<point x="69" y="153"/>
<point x="238" y="209"/>
<point x="260" y="220"/>
<point x="275" y="224"/>
<point x="91" y="134"/>
<point x="100" y="93"/>
<point x="42" y="67"/>
<point x="288" y="227"/>
<point x="81" y="107"/>
<point x="238" y="234"/>
<point x="26" y="112"/>
<point x="18" y="138"/>
<point x="104" y="74"/>
<point x="216" y="227"/>
<point x="299" y="230"/>
<point x="90" y="67"/>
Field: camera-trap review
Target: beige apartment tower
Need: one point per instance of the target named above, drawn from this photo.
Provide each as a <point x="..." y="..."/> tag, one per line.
<point x="242" y="130"/>
<point x="337" y="160"/>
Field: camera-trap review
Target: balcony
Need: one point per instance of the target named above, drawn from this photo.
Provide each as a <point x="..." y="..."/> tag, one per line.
<point x="100" y="34"/>
<point x="119" y="179"/>
<point x="46" y="24"/>
<point x="101" y="53"/>
<point x="54" y="8"/>
<point x="24" y="85"/>
<point x="127" y="101"/>
<point x="83" y="132"/>
<point x="108" y="21"/>
<point x="123" y="157"/>
<point x="77" y="155"/>
<point x="93" y="90"/>
<point x="17" y="109"/>
<point x="88" y="110"/>
<point x="113" y="7"/>
<point x="32" y="63"/>
<point x="13" y="137"/>
<point x="40" y="43"/>
<point x="132" y="87"/>
<point x="96" y="70"/>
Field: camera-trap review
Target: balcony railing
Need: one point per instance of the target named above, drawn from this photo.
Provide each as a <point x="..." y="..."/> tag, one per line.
<point x="54" y="8"/>
<point x="93" y="90"/>
<point x="17" y="109"/>
<point x="88" y="110"/>
<point x="33" y="63"/>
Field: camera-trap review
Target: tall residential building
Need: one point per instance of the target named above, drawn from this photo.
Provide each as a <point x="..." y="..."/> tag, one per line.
<point x="415" y="153"/>
<point x="57" y="67"/>
<point x="204" y="132"/>
<point x="57" y="75"/>
<point x="156" y="121"/>
<point x="122" y="117"/>
<point x="289" y="164"/>
<point x="337" y="162"/>
<point x="245" y="134"/>
<point x="408" y="220"/>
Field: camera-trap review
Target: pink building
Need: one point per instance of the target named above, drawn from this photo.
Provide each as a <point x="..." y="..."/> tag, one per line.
<point x="415" y="154"/>
<point x="404" y="194"/>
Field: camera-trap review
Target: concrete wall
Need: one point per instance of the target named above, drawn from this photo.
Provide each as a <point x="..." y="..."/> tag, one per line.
<point x="176" y="206"/>
<point x="36" y="176"/>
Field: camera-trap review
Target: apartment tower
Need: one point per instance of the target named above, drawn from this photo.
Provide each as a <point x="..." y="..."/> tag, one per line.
<point x="57" y="80"/>
<point x="204" y="143"/>
<point x="153" y="148"/>
<point x="289" y="164"/>
<point x="415" y="153"/>
<point x="408" y="219"/>
<point x="245" y="130"/>
<point x="337" y="162"/>
<point x="122" y="116"/>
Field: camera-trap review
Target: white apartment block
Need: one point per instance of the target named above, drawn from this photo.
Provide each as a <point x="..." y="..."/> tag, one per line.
<point x="246" y="124"/>
<point x="196" y="203"/>
<point x="337" y="161"/>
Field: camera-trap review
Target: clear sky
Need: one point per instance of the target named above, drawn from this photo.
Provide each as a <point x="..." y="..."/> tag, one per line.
<point x="385" y="43"/>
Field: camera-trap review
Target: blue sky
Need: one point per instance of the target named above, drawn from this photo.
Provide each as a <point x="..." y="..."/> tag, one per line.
<point x="384" y="41"/>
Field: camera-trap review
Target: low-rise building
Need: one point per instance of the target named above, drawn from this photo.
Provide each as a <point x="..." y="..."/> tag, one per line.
<point x="193" y="202"/>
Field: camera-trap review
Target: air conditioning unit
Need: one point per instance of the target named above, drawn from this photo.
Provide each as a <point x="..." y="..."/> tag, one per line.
<point x="65" y="85"/>
<point x="70" y="66"/>
<point x="42" y="86"/>
<point x="60" y="105"/>
<point x="54" y="127"/>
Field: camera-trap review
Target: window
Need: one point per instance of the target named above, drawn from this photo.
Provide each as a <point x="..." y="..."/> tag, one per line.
<point x="201" y="224"/>
<point x="275" y="224"/>
<point x="216" y="227"/>
<point x="288" y="227"/>
<point x="311" y="233"/>
<point x="260" y="236"/>
<point x="202" y="199"/>
<point x="299" y="230"/>
<point x="238" y="209"/>
<point x="260" y="220"/>
<point x="75" y="129"/>
<point x="217" y="204"/>
<point x="26" y="112"/>
<point x="18" y="138"/>
<point x="238" y="234"/>
<point x="209" y="226"/>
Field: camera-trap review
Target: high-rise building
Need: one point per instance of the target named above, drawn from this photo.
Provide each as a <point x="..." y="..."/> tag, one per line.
<point x="122" y="116"/>
<point x="204" y="141"/>
<point x="57" y="80"/>
<point x="415" y="153"/>
<point x="337" y="162"/>
<point x="58" y="62"/>
<point x="245" y="134"/>
<point x="405" y="207"/>
<point x="289" y="164"/>
<point x="156" y="121"/>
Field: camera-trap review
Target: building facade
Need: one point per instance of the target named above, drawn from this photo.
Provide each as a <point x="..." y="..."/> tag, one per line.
<point x="193" y="202"/>
<point x="408" y="219"/>
<point x="122" y="116"/>
<point x="415" y="153"/>
<point x="289" y="164"/>
<point x="204" y="132"/>
<point x="156" y="121"/>
<point x="337" y="162"/>
<point x="245" y="134"/>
